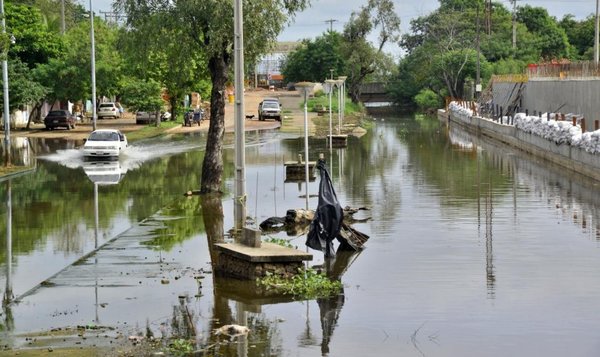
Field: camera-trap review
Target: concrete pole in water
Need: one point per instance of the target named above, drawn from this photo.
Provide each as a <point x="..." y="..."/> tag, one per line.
<point x="329" y="84"/>
<point x="93" y="60"/>
<point x="343" y="100"/>
<point x="5" y="93"/>
<point x="339" y="97"/>
<point x="239" y="207"/>
<point x="305" y="88"/>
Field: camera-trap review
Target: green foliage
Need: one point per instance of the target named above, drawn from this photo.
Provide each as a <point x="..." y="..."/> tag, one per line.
<point x="22" y="86"/>
<point x="141" y="95"/>
<point x="33" y="42"/>
<point x="362" y="58"/>
<point x="181" y="347"/>
<point x="580" y="36"/>
<point x="307" y="284"/>
<point x="427" y="100"/>
<point x="313" y="60"/>
<point x="551" y="39"/>
<point x="509" y="66"/>
<point x="279" y="241"/>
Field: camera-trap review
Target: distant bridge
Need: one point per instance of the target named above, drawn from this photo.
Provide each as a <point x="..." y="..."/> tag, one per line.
<point x="374" y="92"/>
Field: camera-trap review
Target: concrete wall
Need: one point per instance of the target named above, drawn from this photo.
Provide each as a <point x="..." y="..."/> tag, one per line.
<point x="573" y="158"/>
<point x="555" y="95"/>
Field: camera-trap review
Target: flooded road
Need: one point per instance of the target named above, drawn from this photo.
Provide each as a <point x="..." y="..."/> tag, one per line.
<point x="475" y="249"/>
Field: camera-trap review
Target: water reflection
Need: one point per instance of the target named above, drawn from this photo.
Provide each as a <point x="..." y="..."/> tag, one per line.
<point x="8" y="296"/>
<point x="22" y="153"/>
<point x="104" y="172"/>
<point x="470" y="241"/>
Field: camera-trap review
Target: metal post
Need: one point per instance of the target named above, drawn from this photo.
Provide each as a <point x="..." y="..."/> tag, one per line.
<point x="239" y="206"/>
<point x="5" y="87"/>
<point x="93" y="56"/>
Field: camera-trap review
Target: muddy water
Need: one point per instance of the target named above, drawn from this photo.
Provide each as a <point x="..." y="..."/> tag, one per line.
<point x="475" y="249"/>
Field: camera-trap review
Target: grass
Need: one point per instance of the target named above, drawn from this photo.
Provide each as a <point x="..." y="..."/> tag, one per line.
<point x="151" y="130"/>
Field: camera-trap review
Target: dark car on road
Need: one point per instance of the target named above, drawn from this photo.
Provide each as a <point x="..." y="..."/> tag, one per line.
<point x="60" y="119"/>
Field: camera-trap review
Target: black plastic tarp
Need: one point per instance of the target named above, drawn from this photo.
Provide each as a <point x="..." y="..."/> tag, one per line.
<point x="327" y="222"/>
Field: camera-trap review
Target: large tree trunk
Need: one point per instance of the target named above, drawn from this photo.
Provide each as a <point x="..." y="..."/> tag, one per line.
<point x="212" y="166"/>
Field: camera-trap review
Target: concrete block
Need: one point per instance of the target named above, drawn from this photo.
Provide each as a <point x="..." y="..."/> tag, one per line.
<point x="251" y="237"/>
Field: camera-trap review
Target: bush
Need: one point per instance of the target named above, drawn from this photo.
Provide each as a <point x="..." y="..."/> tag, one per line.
<point x="319" y="93"/>
<point x="427" y="100"/>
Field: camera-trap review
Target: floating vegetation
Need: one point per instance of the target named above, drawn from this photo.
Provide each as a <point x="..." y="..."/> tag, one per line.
<point x="280" y="241"/>
<point x="307" y="284"/>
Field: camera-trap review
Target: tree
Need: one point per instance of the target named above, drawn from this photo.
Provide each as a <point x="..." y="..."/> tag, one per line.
<point x="207" y="27"/>
<point x="31" y="40"/>
<point x="313" y="60"/>
<point x="551" y="39"/>
<point x="173" y="63"/>
<point x="580" y="36"/>
<point x="142" y="95"/>
<point x="23" y="87"/>
<point x="455" y="67"/>
<point x="362" y="58"/>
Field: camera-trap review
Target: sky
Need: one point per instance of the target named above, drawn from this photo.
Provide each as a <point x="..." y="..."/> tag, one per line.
<point x="312" y="22"/>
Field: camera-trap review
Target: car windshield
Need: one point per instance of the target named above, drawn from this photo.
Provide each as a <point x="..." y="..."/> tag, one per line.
<point x="57" y="113"/>
<point x="103" y="136"/>
<point x="108" y="105"/>
<point x="271" y="105"/>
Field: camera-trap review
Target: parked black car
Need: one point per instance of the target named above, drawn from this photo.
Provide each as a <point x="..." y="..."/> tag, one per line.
<point x="60" y="119"/>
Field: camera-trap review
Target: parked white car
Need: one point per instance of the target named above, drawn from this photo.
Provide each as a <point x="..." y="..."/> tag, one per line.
<point x="104" y="143"/>
<point x="108" y="110"/>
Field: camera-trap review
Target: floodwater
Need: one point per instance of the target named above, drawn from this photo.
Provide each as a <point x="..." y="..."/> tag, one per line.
<point x="476" y="249"/>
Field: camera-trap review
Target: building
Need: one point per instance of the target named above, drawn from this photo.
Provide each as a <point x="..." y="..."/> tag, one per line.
<point x="268" y="69"/>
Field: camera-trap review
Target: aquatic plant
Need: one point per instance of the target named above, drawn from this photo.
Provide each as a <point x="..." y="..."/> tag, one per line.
<point x="279" y="241"/>
<point x="307" y="284"/>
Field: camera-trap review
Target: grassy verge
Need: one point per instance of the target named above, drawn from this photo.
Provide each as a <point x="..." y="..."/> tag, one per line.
<point x="152" y="130"/>
<point x="354" y="115"/>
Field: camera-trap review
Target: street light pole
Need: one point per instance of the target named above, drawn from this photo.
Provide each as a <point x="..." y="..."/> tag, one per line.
<point x="343" y="99"/>
<point x="5" y="87"/>
<point x="329" y="84"/>
<point x="93" y="56"/>
<point x="239" y="206"/>
<point x="305" y="88"/>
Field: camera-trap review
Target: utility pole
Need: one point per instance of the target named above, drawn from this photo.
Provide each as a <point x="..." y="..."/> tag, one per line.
<point x="62" y="17"/>
<point x="478" y="74"/>
<point x="331" y="21"/>
<point x="596" y="46"/>
<point x="239" y="205"/>
<point x="514" y="25"/>
<point x="93" y="60"/>
<point x="5" y="87"/>
<point x="488" y="16"/>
